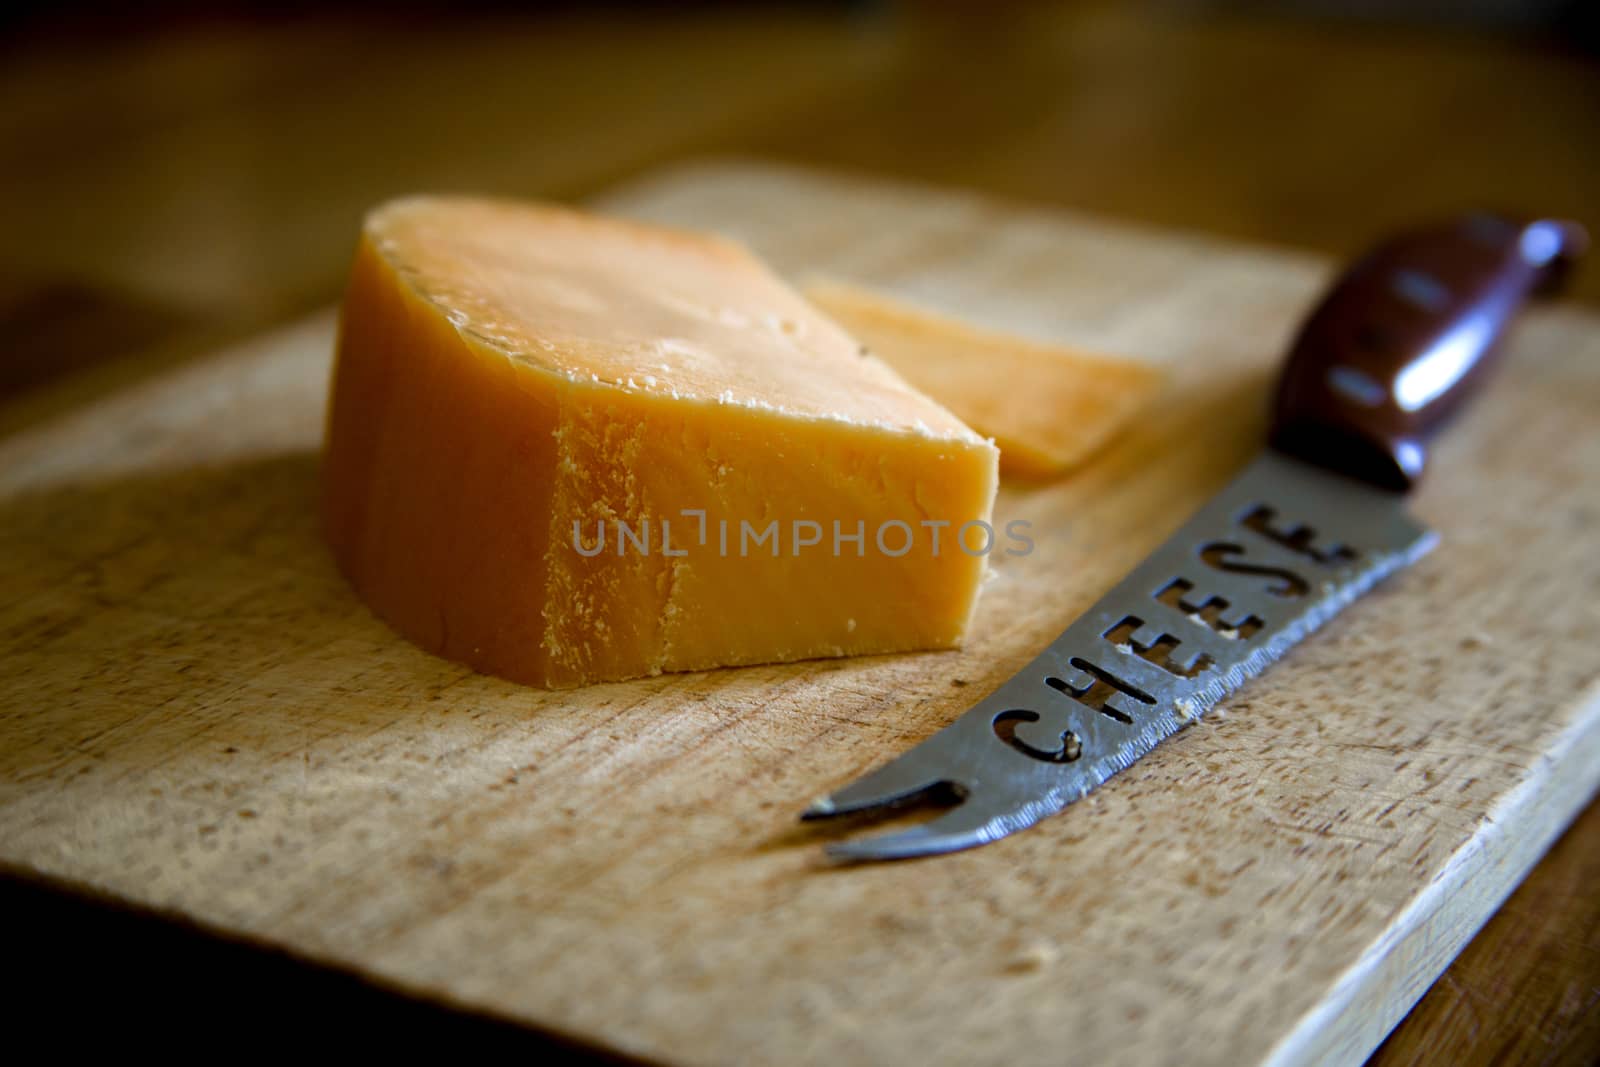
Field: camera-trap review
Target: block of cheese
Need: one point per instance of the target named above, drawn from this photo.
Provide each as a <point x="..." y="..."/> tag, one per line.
<point x="1048" y="407"/>
<point x="564" y="449"/>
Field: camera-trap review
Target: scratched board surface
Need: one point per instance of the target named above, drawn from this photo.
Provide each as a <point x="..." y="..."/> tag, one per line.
<point x="198" y="716"/>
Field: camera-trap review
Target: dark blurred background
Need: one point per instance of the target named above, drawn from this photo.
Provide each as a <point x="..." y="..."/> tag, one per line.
<point x="171" y="173"/>
<point x="177" y="175"/>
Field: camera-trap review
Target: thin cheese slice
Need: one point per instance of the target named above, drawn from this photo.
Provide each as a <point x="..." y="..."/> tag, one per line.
<point x="1049" y="408"/>
<point x="566" y="449"/>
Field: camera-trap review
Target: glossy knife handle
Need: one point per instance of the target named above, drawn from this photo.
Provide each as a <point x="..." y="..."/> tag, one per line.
<point x="1403" y="337"/>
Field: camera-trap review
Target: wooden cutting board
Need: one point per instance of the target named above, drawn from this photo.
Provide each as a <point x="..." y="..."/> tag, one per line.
<point x="198" y="716"/>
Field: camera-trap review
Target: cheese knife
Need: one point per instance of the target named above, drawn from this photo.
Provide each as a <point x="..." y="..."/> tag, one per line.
<point x="1395" y="346"/>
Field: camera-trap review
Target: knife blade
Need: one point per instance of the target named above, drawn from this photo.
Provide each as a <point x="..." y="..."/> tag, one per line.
<point x="1310" y="525"/>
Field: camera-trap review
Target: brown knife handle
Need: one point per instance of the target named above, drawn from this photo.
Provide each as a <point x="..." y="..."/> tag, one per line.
<point x="1403" y="337"/>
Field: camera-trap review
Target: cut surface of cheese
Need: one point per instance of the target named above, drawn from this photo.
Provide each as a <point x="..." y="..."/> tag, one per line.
<point x="1048" y="407"/>
<point x="565" y="449"/>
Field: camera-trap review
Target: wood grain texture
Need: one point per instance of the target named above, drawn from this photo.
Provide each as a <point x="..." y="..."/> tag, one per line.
<point x="1527" y="989"/>
<point x="200" y="717"/>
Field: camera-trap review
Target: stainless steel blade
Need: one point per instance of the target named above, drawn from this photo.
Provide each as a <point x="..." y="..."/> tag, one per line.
<point x="1265" y="562"/>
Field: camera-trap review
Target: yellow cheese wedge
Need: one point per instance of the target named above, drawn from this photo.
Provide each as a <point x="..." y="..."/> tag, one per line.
<point x="565" y="449"/>
<point x="1047" y="407"/>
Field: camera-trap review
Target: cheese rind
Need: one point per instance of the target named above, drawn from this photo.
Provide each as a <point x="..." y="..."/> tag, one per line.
<point x="1048" y="407"/>
<point x="513" y="379"/>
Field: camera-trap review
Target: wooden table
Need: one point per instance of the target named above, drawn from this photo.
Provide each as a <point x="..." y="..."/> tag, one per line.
<point x="169" y="188"/>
